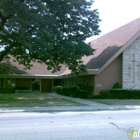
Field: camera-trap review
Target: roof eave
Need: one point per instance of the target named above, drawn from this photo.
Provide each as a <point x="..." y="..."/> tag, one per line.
<point x="92" y="71"/>
<point x="28" y="76"/>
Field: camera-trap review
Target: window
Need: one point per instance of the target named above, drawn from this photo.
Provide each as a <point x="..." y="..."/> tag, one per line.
<point x="9" y="83"/>
<point x="1" y="82"/>
<point x="78" y="81"/>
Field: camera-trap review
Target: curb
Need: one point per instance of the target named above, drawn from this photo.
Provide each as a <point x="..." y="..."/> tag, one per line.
<point x="48" y="110"/>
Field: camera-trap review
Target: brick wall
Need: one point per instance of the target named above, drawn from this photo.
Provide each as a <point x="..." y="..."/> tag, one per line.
<point x="131" y="66"/>
<point x="109" y="76"/>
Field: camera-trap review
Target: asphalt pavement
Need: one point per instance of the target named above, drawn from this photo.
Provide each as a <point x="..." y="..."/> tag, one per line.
<point x="87" y="106"/>
<point x="95" y="125"/>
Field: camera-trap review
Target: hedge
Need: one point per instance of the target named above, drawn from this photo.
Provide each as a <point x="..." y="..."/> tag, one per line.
<point x="7" y="90"/>
<point x="67" y="91"/>
<point x="58" y="89"/>
<point x="72" y="91"/>
<point x="119" y="94"/>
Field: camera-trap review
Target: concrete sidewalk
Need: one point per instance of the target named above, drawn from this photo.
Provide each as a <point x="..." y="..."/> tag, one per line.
<point x="87" y="106"/>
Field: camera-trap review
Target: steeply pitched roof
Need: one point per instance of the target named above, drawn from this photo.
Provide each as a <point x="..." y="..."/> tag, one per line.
<point x="108" y="45"/>
<point x="107" y="48"/>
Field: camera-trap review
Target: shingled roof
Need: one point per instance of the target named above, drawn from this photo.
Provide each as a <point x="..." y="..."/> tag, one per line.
<point x="110" y="44"/>
<point x="107" y="48"/>
<point x="10" y="66"/>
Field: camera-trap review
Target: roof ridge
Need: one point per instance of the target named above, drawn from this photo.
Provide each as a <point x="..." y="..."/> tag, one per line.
<point x="115" y="29"/>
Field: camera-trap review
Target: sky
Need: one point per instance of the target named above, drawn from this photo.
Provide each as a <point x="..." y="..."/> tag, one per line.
<point x="115" y="13"/>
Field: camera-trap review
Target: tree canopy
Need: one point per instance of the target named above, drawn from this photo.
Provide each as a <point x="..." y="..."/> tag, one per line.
<point x="49" y="31"/>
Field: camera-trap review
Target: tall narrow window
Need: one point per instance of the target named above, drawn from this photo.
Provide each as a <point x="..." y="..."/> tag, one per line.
<point x="1" y="82"/>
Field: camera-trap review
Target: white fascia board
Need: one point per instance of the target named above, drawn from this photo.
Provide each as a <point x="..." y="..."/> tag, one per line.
<point x="92" y="71"/>
<point x="27" y="75"/>
<point x="88" y="71"/>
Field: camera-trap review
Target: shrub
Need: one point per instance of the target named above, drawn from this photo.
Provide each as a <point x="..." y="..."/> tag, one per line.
<point x="65" y="90"/>
<point x="117" y="85"/>
<point x="73" y="91"/>
<point x="84" y="90"/>
<point x="81" y="91"/>
<point x="86" y="87"/>
<point x="7" y="90"/>
<point x="105" y="94"/>
<point x="120" y="94"/>
<point x="126" y="94"/>
<point x="58" y="89"/>
<point x="82" y="94"/>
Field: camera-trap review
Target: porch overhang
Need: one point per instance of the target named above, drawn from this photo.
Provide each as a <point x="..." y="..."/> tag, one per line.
<point x="41" y="76"/>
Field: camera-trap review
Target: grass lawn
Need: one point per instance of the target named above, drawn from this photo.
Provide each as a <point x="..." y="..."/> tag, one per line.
<point x="33" y="100"/>
<point x="118" y="101"/>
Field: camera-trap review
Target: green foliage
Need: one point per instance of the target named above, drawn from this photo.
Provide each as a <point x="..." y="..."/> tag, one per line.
<point x="84" y="90"/>
<point x="105" y="94"/>
<point x="120" y="94"/>
<point x="7" y="90"/>
<point x="58" y="89"/>
<point x="82" y="94"/>
<point x="117" y="85"/>
<point x="86" y="86"/>
<point x="50" y="31"/>
<point x="67" y="91"/>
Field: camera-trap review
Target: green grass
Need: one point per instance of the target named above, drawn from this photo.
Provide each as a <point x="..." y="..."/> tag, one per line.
<point x="118" y="101"/>
<point x="33" y="100"/>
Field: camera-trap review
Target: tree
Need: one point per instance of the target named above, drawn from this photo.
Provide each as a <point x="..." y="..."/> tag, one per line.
<point x="49" y="31"/>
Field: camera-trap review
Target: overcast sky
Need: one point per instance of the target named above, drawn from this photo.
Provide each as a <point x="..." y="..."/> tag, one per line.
<point x="115" y="13"/>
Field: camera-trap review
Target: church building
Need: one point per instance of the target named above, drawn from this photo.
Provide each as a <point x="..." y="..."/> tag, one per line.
<point x="116" y="59"/>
